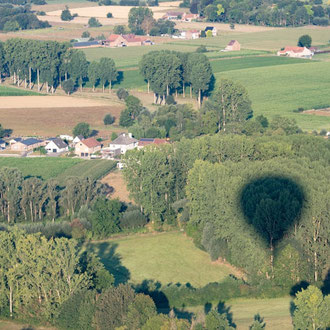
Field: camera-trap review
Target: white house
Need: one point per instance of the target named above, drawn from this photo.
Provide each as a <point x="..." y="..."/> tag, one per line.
<point x="301" y="52"/>
<point x="212" y="29"/>
<point x="2" y="144"/>
<point x="77" y="139"/>
<point x="66" y="137"/>
<point x="124" y="142"/>
<point x="56" y="146"/>
<point x="191" y="34"/>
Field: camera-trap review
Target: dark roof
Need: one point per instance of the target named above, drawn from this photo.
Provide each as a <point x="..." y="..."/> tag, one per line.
<point x="30" y="142"/>
<point x="86" y="43"/>
<point x="231" y="42"/>
<point x="124" y="139"/>
<point x="59" y="143"/>
<point x="2" y="141"/>
<point x="147" y="139"/>
<point x="17" y="139"/>
<point x="209" y="28"/>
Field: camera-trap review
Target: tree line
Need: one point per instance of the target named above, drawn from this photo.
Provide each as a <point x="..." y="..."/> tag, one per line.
<point x="32" y="199"/>
<point x="19" y="17"/>
<point x="282" y="13"/>
<point x="168" y="72"/>
<point x="182" y="176"/>
<point x="52" y="64"/>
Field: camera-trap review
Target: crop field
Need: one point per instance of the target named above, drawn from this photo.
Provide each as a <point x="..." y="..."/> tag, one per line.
<point x="284" y="88"/>
<point x="59" y="168"/>
<point x="167" y="258"/>
<point x="50" y="122"/>
<point x="11" y="91"/>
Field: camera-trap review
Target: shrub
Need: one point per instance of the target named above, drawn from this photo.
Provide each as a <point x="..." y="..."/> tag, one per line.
<point x="119" y="29"/>
<point x="132" y="219"/>
<point x="85" y="34"/>
<point x="122" y="93"/>
<point x="93" y="22"/>
<point x="68" y="86"/>
<point x="170" y="100"/>
<point x="66" y="15"/>
<point x="109" y="15"/>
<point x="201" y="49"/>
<point x="108" y="119"/>
<point x="305" y="41"/>
<point x="323" y="132"/>
<point x="82" y="129"/>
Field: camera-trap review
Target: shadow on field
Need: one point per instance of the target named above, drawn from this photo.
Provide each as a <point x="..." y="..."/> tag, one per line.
<point x="112" y="261"/>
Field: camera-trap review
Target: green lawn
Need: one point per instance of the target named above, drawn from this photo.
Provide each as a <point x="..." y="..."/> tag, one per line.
<point x="281" y="89"/>
<point x="59" y="168"/>
<point x="11" y="91"/>
<point x="167" y="258"/>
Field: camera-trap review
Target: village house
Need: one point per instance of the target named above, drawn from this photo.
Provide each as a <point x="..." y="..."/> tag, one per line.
<point x="233" y="45"/>
<point x="123" y="142"/>
<point x="300" y="52"/>
<point x="2" y="144"/>
<point x="192" y="34"/>
<point x="77" y="139"/>
<point x="127" y="40"/>
<point x="173" y="15"/>
<point x="56" y="146"/>
<point x="186" y="17"/>
<point x="143" y="142"/>
<point x="212" y="29"/>
<point x="14" y="140"/>
<point x="85" y="148"/>
<point x="26" y="145"/>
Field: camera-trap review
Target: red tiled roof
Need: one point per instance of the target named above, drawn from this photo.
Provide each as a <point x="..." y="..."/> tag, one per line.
<point x="91" y="143"/>
<point x="113" y="37"/>
<point x="160" y="141"/>
<point x="294" y="49"/>
<point x="133" y="38"/>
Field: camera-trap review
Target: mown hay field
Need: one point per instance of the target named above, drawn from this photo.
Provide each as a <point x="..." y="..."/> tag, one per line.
<point x="59" y="168"/>
<point x="167" y="258"/>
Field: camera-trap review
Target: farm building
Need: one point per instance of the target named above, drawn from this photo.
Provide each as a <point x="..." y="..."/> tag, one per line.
<point x="173" y="15"/>
<point x="86" y="44"/>
<point x="56" y="146"/>
<point x="300" y="52"/>
<point x="124" y="142"/>
<point x="149" y="141"/>
<point x="26" y="145"/>
<point x="192" y="34"/>
<point x="186" y="17"/>
<point x="85" y="148"/>
<point x="2" y="144"/>
<point x="125" y="40"/>
<point x="212" y="29"/>
<point x="233" y="45"/>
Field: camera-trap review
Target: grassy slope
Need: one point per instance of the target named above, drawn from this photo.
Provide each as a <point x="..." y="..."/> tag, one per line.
<point x="59" y="168"/>
<point x="281" y="89"/>
<point x="167" y="258"/>
<point x="9" y="91"/>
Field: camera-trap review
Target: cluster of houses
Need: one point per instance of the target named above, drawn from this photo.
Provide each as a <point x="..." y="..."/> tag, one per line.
<point x="180" y="16"/>
<point x="82" y="147"/>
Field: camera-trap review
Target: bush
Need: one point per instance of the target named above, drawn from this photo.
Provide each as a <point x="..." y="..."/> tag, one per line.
<point x="119" y="29"/>
<point x="321" y="21"/>
<point x="122" y="93"/>
<point x="85" y="34"/>
<point x="82" y="129"/>
<point x="78" y="311"/>
<point x="170" y="100"/>
<point x="66" y="15"/>
<point x="109" y="15"/>
<point x="93" y="22"/>
<point x="323" y="132"/>
<point x="132" y="219"/>
<point x="68" y="86"/>
<point x="201" y="49"/>
<point x="305" y="41"/>
<point x="108" y="119"/>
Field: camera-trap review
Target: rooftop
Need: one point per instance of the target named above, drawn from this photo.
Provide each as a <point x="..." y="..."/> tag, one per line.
<point x="30" y="142"/>
<point x="124" y="139"/>
<point x="59" y="143"/>
<point x="91" y="142"/>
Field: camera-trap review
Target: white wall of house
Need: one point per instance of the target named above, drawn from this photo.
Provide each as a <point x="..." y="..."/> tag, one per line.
<point x="52" y="147"/>
<point x="123" y="147"/>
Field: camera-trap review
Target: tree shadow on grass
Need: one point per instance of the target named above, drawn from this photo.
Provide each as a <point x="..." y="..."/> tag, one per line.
<point x="112" y="261"/>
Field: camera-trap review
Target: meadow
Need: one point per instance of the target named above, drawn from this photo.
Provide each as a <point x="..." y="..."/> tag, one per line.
<point x="167" y="258"/>
<point x="11" y="91"/>
<point x="59" y="168"/>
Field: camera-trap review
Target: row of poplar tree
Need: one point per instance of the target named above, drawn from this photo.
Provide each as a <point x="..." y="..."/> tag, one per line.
<point x="49" y="63"/>
<point x="32" y="199"/>
<point x="167" y="72"/>
<point x="200" y="182"/>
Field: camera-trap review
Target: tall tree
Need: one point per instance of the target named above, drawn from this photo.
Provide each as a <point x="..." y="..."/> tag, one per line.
<point x="107" y="71"/>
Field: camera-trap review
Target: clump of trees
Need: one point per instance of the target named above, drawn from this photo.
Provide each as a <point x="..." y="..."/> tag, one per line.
<point x="305" y="41"/>
<point x="19" y="17"/>
<point x="167" y="72"/>
<point x="284" y="13"/>
<point x="50" y="64"/>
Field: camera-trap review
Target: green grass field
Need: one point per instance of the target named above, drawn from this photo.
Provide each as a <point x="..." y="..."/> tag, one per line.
<point x="167" y="258"/>
<point x="59" y="168"/>
<point x="11" y="91"/>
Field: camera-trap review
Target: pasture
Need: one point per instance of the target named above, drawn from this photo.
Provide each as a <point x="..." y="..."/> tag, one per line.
<point x="59" y="168"/>
<point x="167" y="258"/>
<point x="12" y="91"/>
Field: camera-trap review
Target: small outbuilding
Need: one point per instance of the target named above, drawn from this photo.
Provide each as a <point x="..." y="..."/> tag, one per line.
<point x="233" y="45"/>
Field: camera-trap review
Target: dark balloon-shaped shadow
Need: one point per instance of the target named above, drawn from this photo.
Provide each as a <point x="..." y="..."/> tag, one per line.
<point x="272" y="205"/>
